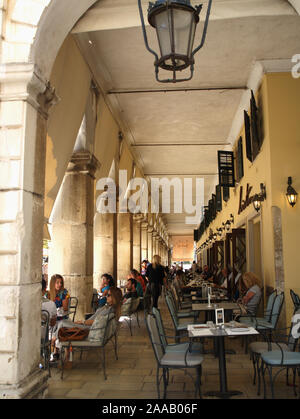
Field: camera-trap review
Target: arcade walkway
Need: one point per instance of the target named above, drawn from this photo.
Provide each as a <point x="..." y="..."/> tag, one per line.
<point x="133" y="375"/>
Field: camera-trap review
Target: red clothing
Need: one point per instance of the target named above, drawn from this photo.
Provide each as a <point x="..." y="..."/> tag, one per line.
<point x="140" y="279"/>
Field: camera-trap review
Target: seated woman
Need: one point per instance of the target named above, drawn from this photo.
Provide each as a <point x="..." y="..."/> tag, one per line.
<point x="114" y="299"/>
<point x="107" y="282"/>
<point x="251" y="299"/>
<point x="59" y="295"/>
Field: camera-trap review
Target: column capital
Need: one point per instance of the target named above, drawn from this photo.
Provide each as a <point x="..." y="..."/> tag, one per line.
<point x="150" y="229"/>
<point x="83" y="162"/>
<point x="138" y="218"/>
<point x="144" y="225"/>
<point x="23" y="81"/>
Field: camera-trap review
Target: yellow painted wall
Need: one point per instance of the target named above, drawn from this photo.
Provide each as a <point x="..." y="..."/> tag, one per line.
<point x="71" y="79"/>
<point x="284" y="116"/>
<point x="254" y="173"/>
<point x="278" y="159"/>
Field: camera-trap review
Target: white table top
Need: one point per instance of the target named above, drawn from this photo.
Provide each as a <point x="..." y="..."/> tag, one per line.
<point x="202" y="330"/>
<point x="225" y="305"/>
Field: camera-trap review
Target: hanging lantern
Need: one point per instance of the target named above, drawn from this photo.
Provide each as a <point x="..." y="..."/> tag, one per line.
<point x="175" y="22"/>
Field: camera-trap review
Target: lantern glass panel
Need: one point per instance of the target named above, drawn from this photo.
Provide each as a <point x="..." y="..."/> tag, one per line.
<point x="184" y="31"/>
<point x="162" y="25"/>
<point x="175" y="32"/>
<point x="292" y="198"/>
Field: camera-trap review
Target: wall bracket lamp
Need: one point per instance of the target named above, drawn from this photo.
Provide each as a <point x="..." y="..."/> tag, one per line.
<point x="175" y="22"/>
<point x="291" y="194"/>
<point x="259" y="198"/>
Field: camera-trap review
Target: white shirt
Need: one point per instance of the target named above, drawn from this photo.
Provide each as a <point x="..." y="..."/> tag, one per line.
<point x="49" y="306"/>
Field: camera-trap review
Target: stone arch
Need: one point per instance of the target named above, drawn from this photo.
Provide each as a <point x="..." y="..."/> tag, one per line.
<point x="40" y="29"/>
<point x="32" y="36"/>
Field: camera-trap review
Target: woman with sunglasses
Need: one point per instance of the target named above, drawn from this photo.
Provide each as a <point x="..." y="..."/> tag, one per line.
<point x="113" y="304"/>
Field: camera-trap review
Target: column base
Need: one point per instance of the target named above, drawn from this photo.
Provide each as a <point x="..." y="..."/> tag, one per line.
<point x="35" y="386"/>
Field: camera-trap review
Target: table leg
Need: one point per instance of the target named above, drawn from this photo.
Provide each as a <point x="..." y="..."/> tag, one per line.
<point x="223" y="393"/>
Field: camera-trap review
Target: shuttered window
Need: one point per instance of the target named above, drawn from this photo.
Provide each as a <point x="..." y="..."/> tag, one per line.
<point x="226" y="168"/>
<point x="239" y="160"/>
<point x="248" y="137"/>
<point x="218" y="198"/>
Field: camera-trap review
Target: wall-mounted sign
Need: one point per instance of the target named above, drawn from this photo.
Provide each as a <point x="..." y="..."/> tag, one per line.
<point x="244" y="203"/>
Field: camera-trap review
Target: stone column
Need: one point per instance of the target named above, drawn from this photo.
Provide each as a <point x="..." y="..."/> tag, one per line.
<point x="156" y="244"/>
<point x="25" y="100"/>
<point x="125" y="254"/>
<point x="105" y="246"/>
<point x="150" y="244"/>
<point x="144" y="240"/>
<point x="71" y="252"/>
<point x="137" y="243"/>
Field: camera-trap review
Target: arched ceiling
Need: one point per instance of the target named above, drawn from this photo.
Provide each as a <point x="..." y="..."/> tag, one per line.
<point x="175" y="130"/>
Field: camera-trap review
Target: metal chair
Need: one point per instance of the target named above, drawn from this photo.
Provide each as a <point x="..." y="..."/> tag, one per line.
<point x="265" y="325"/>
<point x="296" y="300"/>
<point x="172" y="360"/>
<point x="73" y="303"/>
<point x="181" y="313"/>
<point x="179" y="327"/>
<point x="257" y="348"/>
<point x="283" y="356"/>
<point x="45" y="341"/>
<point x="177" y="347"/>
<point x="267" y="312"/>
<point x="180" y="305"/>
<point x="94" y="303"/>
<point x="130" y="308"/>
<point x="106" y="333"/>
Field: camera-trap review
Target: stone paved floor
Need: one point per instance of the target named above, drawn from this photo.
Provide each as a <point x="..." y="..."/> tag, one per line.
<point x="132" y="376"/>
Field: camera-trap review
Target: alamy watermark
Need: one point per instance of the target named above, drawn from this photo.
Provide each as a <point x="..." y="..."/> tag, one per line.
<point x="296" y="67"/>
<point x="133" y="196"/>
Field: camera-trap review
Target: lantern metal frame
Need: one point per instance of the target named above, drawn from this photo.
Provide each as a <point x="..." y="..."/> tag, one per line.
<point x="291" y="191"/>
<point x="155" y="8"/>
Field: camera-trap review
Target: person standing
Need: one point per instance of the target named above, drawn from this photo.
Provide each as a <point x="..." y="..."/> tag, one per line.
<point x="156" y="276"/>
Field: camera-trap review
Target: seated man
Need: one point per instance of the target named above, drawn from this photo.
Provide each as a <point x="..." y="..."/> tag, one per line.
<point x="141" y="284"/>
<point x="206" y="274"/>
<point x="223" y="280"/>
<point x="131" y="289"/>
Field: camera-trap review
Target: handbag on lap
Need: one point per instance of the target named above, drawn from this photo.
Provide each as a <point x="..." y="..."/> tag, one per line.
<point x="72" y="333"/>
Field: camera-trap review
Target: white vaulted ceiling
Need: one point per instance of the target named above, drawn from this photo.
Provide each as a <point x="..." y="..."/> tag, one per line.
<point x="176" y="129"/>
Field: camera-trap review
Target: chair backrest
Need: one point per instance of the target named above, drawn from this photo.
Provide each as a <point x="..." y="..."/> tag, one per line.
<point x="172" y="310"/>
<point x="296" y="300"/>
<point x="157" y="315"/>
<point x="126" y="307"/>
<point x="269" y="308"/>
<point x="154" y="337"/>
<point x="174" y="301"/>
<point x="293" y="338"/>
<point x="73" y="303"/>
<point x="276" y="310"/>
<point x="103" y="328"/>
<point x="177" y="287"/>
<point x="94" y="302"/>
<point x="134" y="304"/>
<point x="174" y="295"/>
<point x="45" y="321"/>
